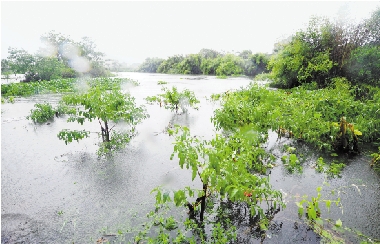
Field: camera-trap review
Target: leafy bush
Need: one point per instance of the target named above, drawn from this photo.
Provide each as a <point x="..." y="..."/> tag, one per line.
<point x="316" y="116"/>
<point x="42" y="113"/>
<point x="106" y="106"/>
<point x="173" y="99"/>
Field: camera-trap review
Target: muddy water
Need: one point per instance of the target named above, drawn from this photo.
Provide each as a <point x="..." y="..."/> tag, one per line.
<point x="57" y="193"/>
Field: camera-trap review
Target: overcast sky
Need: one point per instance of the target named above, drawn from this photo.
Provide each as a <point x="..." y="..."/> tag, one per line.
<point x="132" y="31"/>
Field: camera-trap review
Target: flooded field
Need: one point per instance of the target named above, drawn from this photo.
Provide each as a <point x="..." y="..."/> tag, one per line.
<point x="57" y="193"/>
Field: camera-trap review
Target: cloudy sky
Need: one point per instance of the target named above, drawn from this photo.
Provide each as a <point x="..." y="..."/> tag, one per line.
<point x="132" y="31"/>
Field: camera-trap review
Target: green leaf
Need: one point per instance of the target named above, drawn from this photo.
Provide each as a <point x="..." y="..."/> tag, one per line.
<point x="338" y="223"/>
<point x="328" y="204"/>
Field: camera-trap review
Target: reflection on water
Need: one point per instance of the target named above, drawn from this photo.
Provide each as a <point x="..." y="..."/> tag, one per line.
<point x="57" y="193"/>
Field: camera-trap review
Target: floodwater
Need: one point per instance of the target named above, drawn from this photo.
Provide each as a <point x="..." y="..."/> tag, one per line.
<point x="57" y="193"/>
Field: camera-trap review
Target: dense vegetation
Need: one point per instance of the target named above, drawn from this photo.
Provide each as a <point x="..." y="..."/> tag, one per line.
<point x="209" y="62"/>
<point x="331" y="103"/>
<point x="327" y="50"/>
<point x="60" y="57"/>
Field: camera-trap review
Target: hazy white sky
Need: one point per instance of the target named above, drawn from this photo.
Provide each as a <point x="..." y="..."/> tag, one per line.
<point x="132" y="31"/>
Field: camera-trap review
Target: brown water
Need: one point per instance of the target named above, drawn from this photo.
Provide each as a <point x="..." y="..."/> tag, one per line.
<point x="57" y="193"/>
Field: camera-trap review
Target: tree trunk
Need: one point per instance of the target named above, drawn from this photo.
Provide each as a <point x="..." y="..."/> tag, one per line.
<point x="203" y="203"/>
<point x="107" y="133"/>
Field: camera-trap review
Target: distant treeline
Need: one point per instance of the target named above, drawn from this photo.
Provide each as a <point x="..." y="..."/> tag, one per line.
<point x="60" y="57"/>
<point x="209" y="62"/>
<point x="323" y="51"/>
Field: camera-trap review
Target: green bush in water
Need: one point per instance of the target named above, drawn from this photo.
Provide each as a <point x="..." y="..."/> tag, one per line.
<point x="42" y="113"/>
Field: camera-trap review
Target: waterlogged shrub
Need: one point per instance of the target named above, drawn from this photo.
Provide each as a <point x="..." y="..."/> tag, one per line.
<point x="314" y="116"/>
<point x="333" y="169"/>
<point x="105" y="106"/>
<point x="231" y="170"/>
<point x="42" y="113"/>
<point x="173" y="99"/>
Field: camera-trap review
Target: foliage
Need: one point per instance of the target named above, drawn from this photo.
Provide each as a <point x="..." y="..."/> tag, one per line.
<point x="305" y="59"/>
<point x="210" y="62"/>
<point x="106" y="106"/>
<point x="209" y="65"/>
<point x="161" y="82"/>
<point x="330" y="231"/>
<point x="332" y="170"/>
<point x="42" y="113"/>
<point x="291" y="162"/>
<point x="209" y="53"/>
<point x="70" y="135"/>
<point x="375" y="163"/>
<point x="364" y="65"/>
<point x="173" y="99"/>
<point x="169" y="66"/>
<point x="48" y="68"/>
<point x="313" y="216"/>
<point x="59" y="86"/>
<point x="19" y="60"/>
<point x="314" y="116"/>
<point x="230" y="169"/>
<point x="230" y="65"/>
<point x="150" y="65"/>
<point x="60" y="57"/>
<point x="326" y="50"/>
<point x="191" y="64"/>
<point x="254" y="64"/>
<point x="162" y="227"/>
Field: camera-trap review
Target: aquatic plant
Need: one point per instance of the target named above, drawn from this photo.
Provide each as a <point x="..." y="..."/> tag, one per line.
<point x="161" y="82"/>
<point x="230" y="169"/>
<point x="328" y="119"/>
<point x="173" y="99"/>
<point x="329" y="230"/>
<point x="42" y="113"/>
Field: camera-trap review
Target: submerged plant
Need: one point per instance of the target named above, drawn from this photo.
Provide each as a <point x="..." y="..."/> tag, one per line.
<point x="161" y="82"/>
<point x="42" y="113"/>
<point x="330" y="231"/>
<point x="229" y="169"/>
<point x="333" y="169"/>
<point x="173" y="99"/>
<point x="105" y="106"/>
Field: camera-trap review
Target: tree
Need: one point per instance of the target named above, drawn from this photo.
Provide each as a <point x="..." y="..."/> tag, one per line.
<point x="190" y="65"/>
<point x="169" y="66"/>
<point x="230" y="65"/>
<point x="209" y="65"/>
<point x="229" y="169"/>
<point x="372" y="27"/>
<point x="209" y="53"/>
<point x="150" y="65"/>
<point x="19" y="60"/>
<point x="106" y="106"/>
<point x="48" y="68"/>
<point x="364" y="65"/>
<point x="255" y="64"/>
<point x="306" y="58"/>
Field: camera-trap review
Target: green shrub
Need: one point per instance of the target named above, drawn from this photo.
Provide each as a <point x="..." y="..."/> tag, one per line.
<point x="42" y="113"/>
